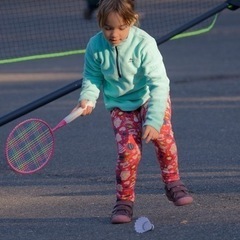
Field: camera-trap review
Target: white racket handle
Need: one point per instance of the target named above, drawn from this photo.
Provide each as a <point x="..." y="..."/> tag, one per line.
<point x="73" y="115"/>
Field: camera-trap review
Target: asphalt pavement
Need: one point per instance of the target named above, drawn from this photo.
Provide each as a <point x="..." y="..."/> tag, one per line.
<point x="72" y="197"/>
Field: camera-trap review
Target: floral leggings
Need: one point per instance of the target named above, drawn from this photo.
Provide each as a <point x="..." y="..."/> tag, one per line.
<point x="128" y="133"/>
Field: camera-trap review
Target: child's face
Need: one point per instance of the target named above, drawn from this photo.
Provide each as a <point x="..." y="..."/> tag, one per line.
<point x="115" y="29"/>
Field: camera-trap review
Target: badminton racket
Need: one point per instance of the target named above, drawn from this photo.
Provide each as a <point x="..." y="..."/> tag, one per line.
<point x="30" y="145"/>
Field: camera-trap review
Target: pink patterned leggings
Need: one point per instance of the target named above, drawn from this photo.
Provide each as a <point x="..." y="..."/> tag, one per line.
<point x="128" y="133"/>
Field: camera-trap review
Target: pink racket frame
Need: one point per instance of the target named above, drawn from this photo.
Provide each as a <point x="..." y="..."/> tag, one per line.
<point x="49" y="156"/>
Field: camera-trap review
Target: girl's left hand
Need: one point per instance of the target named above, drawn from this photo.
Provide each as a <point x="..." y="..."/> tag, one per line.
<point x="149" y="133"/>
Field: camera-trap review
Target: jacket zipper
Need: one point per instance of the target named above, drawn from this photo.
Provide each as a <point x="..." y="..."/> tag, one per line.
<point x="117" y="63"/>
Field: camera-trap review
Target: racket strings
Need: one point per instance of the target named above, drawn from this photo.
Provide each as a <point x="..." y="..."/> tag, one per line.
<point x="29" y="146"/>
<point x="25" y="139"/>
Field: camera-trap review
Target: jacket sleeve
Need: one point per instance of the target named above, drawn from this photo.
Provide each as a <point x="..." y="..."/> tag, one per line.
<point x="158" y="85"/>
<point x="92" y="75"/>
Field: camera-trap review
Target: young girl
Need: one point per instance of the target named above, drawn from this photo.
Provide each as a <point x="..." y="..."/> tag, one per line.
<point x="124" y="61"/>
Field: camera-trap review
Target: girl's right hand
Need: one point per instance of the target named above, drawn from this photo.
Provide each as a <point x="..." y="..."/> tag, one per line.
<point x="82" y="104"/>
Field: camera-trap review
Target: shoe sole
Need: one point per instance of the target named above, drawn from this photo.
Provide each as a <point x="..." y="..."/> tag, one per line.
<point x="120" y="219"/>
<point x="183" y="201"/>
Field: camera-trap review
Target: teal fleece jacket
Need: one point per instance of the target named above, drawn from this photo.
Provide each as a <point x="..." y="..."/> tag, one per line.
<point x="129" y="75"/>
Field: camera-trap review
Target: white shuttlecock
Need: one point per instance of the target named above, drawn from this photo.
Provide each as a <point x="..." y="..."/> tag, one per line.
<point x="143" y="224"/>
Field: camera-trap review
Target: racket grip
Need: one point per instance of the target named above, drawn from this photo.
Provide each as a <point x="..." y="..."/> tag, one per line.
<point x="73" y="115"/>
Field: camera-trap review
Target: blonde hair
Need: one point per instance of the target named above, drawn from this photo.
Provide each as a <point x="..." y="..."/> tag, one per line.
<point x="124" y="8"/>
